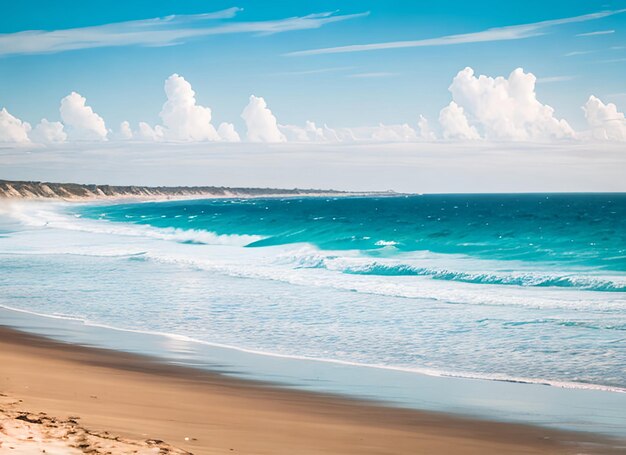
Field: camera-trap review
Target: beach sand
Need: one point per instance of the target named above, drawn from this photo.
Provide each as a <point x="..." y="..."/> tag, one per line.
<point x="69" y="399"/>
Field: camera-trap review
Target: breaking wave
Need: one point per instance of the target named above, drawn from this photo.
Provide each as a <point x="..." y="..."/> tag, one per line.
<point x="360" y="266"/>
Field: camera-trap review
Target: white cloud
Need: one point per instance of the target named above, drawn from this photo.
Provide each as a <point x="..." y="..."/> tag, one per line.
<point x="155" y="32"/>
<point x="310" y="133"/>
<point x="599" y="32"/>
<point x="482" y="107"/>
<point x="351" y="134"/>
<point x="13" y="129"/>
<point x="260" y="122"/>
<point x="80" y="120"/>
<point x="47" y="132"/>
<point x="512" y="32"/>
<point x="143" y="133"/>
<point x="506" y="109"/>
<point x="426" y="133"/>
<point x="605" y="121"/>
<point x="551" y="79"/>
<point x="294" y="133"/>
<point x="380" y="133"/>
<point x="227" y="132"/>
<point x="125" y="133"/>
<point x="147" y="133"/>
<point x="183" y="119"/>
<point x="394" y="133"/>
<point x="455" y="125"/>
<point x="575" y="53"/>
<point x="324" y="133"/>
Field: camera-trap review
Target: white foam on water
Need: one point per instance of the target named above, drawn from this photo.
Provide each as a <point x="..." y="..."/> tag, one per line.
<point x="264" y="265"/>
<point x="422" y="371"/>
<point x="302" y="265"/>
<point x="455" y="268"/>
<point x="47" y="215"/>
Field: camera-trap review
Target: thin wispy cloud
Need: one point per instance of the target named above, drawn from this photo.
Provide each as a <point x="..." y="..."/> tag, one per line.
<point x="507" y="33"/>
<point x="370" y="75"/>
<point x="314" y="71"/>
<point x="550" y="79"/>
<point x="154" y="32"/>
<point x="599" y="32"/>
<point x="575" y="53"/>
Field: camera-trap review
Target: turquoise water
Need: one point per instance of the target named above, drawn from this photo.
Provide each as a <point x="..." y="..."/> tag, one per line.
<point x="586" y="230"/>
<point x="528" y="288"/>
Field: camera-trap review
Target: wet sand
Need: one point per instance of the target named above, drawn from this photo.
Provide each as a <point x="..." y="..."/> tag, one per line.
<point x="88" y="400"/>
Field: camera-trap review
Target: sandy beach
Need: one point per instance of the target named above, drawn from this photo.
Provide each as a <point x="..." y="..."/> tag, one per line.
<point x="70" y="399"/>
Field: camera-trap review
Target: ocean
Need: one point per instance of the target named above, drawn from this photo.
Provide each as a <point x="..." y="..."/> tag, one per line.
<point x="517" y="288"/>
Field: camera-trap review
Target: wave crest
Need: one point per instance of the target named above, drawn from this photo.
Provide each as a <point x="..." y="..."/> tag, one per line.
<point x="364" y="266"/>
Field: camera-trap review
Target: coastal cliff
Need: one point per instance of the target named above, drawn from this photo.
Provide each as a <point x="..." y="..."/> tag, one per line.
<point x="75" y="191"/>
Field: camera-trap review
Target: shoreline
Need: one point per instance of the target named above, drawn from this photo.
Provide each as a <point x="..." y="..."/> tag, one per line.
<point x="114" y="200"/>
<point x="534" y="404"/>
<point x="73" y="192"/>
<point x="190" y="197"/>
<point x="443" y="374"/>
<point x="140" y="398"/>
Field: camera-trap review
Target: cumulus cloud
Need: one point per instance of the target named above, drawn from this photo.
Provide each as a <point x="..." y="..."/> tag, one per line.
<point x="605" y="121"/>
<point x="125" y="133"/>
<point x="482" y="107"/>
<point x="227" y="132"/>
<point x="394" y="133"/>
<point x="455" y="125"/>
<point x="380" y="133"/>
<point x="294" y="133"/>
<point x="147" y="133"/>
<point x="13" y="129"/>
<point x="260" y="122"/>
<point x="143" y="133"/>
<point x="426" y="133"/>
<point x="48" y="132"/>
<point x="183" y="119"/>
<point x="325" y="132"/>
<point x="309" y="133"/>
<point x="80" y="120"/>
<point x="506" y="109"/>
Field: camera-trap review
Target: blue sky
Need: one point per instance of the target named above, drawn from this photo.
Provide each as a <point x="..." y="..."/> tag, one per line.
<point x="125" y="82"/>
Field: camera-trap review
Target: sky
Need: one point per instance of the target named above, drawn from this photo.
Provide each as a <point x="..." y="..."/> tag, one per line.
<point x="365" y="73"/>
